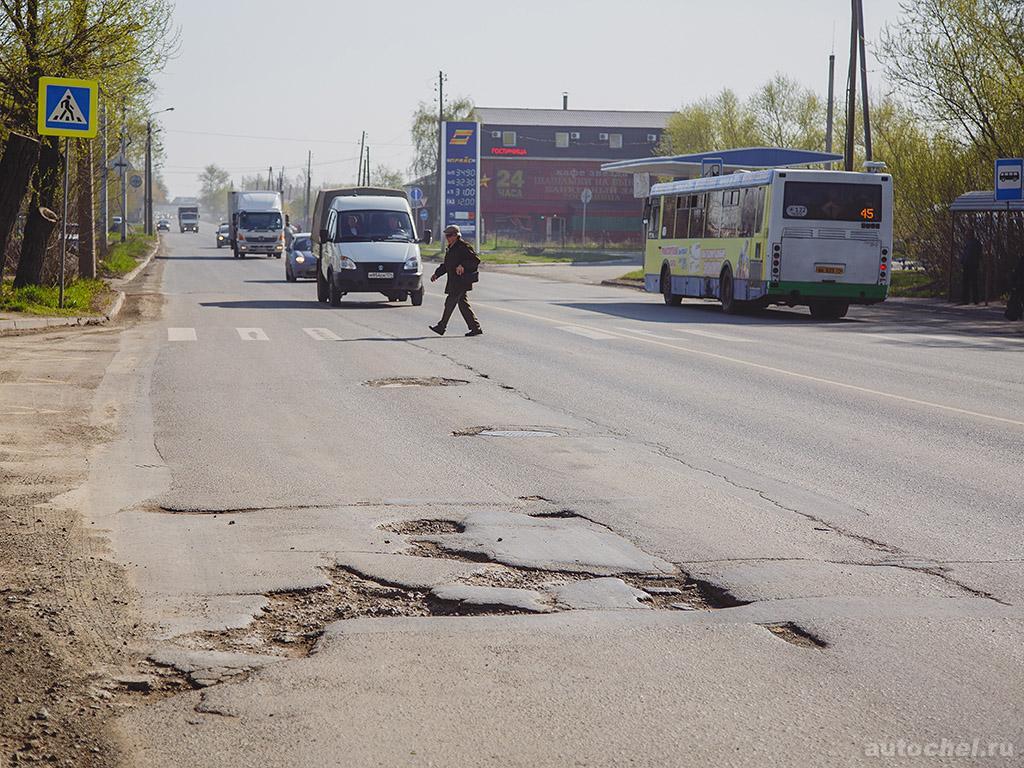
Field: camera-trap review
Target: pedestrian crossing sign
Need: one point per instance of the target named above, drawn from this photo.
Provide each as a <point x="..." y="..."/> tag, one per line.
<point x="68" y="107"/>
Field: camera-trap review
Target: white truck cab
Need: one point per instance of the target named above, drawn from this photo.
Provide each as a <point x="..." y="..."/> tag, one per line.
<point x="367" y="243"/>
<point x="257" y="223"/>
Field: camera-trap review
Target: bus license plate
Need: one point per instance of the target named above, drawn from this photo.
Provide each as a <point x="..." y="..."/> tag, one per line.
<point x="380" y="275"/>
<point x="830" y="269"/>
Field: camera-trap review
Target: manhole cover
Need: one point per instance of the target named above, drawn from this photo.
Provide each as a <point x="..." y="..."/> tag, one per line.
<point x="413" y="381"/>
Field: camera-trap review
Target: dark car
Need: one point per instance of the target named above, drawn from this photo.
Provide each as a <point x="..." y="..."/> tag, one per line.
<point x="223" y="235"/>
<point x="163" y="226"/>
<point x="300" y="261"/>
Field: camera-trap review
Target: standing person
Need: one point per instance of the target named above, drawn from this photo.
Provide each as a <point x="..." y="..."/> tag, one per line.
<point x="970" y="263"/>
<point x="462" y="265"/>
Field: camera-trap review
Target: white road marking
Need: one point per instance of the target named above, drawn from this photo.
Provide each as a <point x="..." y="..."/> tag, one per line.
<point x="181" y="334"/>
<point x="590" y="333"/>
<point x="648" y="334"/>
<point x="781" y="371"/>
<point x="914" y="338"/>
<point x="713" y="335"/>
<point x="322" y="334"/>
<point x="252" y="334"/>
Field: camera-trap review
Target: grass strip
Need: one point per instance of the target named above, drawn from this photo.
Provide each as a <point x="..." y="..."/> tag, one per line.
<point x="82" y="297"/>
<point x="124" y="257"/>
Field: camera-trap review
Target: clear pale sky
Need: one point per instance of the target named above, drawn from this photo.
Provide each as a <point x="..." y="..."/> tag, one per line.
<point x="313" y="74"/>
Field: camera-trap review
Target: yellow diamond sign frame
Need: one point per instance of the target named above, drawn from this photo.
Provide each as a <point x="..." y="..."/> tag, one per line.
<point x="68" y="107"/>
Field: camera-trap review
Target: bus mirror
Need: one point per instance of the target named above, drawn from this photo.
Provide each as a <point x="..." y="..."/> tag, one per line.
<point x="645" y="222"/>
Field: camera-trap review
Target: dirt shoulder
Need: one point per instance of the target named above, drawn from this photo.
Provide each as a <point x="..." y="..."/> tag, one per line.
<point x="66" y="612"/>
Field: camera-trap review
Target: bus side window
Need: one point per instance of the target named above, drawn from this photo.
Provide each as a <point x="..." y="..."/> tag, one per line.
<point x="748" y="223"/>
<point x="714" y="215"/>
<point x="683" y="217"/>
<point x="668" y="217"/>
<point x="697" y="203"/>
<point x="759" y="214"/>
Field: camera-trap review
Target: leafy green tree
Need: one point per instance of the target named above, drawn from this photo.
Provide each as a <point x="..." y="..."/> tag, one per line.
<point x="214" y="183"/>
<point x="425" y="132"/>
<point x="789" y="115"/>
<point x="384" y="176"/>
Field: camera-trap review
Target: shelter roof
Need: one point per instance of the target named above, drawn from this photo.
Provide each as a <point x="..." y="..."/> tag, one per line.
<point x="982" y="201"/>
<point x="748" y="158"/>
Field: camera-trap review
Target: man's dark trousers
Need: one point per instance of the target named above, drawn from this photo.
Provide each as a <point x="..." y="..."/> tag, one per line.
<point x="971" y="275"/>
<point x="460" y="298"/>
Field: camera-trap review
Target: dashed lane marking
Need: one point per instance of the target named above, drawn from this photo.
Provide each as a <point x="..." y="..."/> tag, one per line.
<point x="181" y="334"/>
<point x="252" y="334"/>
<point x="656" y="341"/>
<point x="590" y="333"/>
<point x="322" y="334"/>
<point x="713" y="335"/>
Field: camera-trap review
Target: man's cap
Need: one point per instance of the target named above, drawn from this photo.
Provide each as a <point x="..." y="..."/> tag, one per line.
<point x="452" y="229"/>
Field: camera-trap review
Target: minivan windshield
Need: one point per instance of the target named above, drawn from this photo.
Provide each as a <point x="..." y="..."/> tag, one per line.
<point x="259" y="220"/>
<point x="364" y="226"/>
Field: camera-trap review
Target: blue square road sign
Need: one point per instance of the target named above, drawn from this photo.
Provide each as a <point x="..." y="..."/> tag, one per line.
<point x="67" y="107"/>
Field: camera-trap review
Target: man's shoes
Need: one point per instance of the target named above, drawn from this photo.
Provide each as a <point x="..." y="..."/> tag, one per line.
<point x="476" y="332"/>
<point x="437" y="329"/>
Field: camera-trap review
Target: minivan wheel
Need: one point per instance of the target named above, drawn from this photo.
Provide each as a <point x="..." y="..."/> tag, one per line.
<point x="417" y="297"/>
<point x="334" y="293"/>
<point x="321" y="284"/>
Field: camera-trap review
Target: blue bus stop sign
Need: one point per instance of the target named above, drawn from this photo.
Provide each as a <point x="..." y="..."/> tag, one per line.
<point x="1009" y="172"/>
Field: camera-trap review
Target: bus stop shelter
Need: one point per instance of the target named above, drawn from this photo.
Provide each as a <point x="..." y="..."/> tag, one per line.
<point x="999" y="225"/>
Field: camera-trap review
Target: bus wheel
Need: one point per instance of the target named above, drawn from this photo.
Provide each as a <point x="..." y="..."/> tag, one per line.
<point x="671" y="299"/>
<point x="727" y="293"/>
<point x="829" y="310"/>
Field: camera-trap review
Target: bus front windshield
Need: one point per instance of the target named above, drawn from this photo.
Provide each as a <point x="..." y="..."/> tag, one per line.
<point x="832" y="201"/>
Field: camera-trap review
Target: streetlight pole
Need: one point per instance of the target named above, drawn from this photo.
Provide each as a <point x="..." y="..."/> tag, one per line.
<point x="149" y="169"/>
<point x="105" y="210"/>
<point x="124" y="174"/>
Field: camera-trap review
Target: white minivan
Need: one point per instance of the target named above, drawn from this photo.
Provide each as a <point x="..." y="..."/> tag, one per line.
<point x="367" y="243"/>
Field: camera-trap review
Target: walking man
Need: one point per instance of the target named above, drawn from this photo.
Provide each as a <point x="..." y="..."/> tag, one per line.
<point x="462" y="266"/>
<point x="970" y="263"/>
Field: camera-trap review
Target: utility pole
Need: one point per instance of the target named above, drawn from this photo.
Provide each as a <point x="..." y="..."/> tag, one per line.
<point x="440" y="149"/>
<point x="270" y="177"/>
<point x="148" y="193"/>
<point x="362" y="149"/>
<point x="124" y="174"/>
<point x="864" y="80"/>
<point x="830" y="122"/>
<point x="367" y="171"/>
<point x="105" y="210"/>
<point x="309" y="169"/>
<point x="851" y="91"/>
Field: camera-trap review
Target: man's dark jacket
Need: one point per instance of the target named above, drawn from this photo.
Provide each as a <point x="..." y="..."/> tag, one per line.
<point x="459" y="252"/>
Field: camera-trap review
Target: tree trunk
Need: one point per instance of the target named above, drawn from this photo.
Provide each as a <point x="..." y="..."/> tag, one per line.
<point x="20" y="157"/>
<point x="41" y="220"/>
<point x="86" y="217"/>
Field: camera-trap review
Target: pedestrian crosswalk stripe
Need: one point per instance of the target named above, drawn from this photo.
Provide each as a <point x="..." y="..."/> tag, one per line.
<point x="322" y="334"/>
<point x="181" y="334"/>
<point x="252" y="334"/>
<point x="713" y="335"/>
<point x="588" y="332"/>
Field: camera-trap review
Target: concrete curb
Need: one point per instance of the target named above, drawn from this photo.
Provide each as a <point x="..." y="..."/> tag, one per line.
<point x="34" y="323"/>
<point x="636" y="285"/>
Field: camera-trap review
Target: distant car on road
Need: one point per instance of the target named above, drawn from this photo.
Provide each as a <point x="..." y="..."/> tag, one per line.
<point x="223" y="235"/>
<point x="300" y="261"/>
<point x="163" y="226"/>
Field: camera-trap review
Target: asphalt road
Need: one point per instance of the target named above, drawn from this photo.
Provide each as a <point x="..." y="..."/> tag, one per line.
<point x="856" y="483"/>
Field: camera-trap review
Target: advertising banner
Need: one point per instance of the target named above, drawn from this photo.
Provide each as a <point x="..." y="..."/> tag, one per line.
<point x="460" y="160"/>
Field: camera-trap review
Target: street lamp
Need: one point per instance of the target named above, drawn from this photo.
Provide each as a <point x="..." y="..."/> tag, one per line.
<point x="149" y="168"/>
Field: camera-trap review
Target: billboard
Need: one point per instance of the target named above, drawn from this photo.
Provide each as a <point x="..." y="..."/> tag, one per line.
<point x="460" y="189"/>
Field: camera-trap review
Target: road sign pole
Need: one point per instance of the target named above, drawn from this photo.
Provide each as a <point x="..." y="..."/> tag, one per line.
<point x="64" y="222"/>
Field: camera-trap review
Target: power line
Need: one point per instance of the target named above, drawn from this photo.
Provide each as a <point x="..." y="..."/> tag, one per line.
<point x="276" y="138"/>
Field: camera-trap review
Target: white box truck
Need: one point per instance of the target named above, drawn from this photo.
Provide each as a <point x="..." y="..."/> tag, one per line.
<point x="257" y="223"/>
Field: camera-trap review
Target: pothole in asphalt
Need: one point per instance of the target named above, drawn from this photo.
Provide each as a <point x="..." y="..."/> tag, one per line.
<point x="557" y="514"/>
<point x="794" y="634"/>
<point x="504" y="432"/>
<point x="424" y="527"/>
<point x="414" y="381"/>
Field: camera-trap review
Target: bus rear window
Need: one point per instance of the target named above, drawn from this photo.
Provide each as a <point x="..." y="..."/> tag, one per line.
<point x="832" y="201"/>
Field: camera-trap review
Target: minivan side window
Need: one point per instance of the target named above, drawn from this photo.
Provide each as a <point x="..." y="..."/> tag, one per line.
<point x="332" y="223"/>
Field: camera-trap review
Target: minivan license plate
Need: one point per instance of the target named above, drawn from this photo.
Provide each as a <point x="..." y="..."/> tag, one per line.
<point x="380" y="275"/>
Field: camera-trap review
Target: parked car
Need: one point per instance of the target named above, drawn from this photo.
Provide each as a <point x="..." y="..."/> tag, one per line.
<point x="300" y="261"/>
<point x="223" y="235"/>
<point x="163" y="226"/>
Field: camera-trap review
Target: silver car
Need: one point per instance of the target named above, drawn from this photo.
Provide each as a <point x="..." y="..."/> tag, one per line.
<point x="300" y="261"/>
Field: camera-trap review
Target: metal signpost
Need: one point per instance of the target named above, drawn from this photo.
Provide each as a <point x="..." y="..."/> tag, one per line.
<point x="585" y="197"/>
<point x="460" y="182"/>
<point x="67" y="108"/>
<point x="1008" y="174"/>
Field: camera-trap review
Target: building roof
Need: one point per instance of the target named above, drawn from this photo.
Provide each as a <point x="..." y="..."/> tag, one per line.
<point x="573" y="118"/>
<point x="982" y="201"/>
<point x="732" y="160"/>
